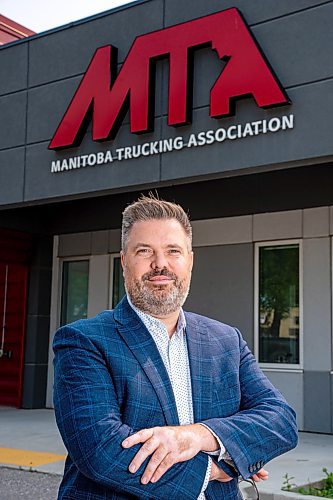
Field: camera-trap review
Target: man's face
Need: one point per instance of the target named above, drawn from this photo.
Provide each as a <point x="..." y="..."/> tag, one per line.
<point x="157" y="265"/>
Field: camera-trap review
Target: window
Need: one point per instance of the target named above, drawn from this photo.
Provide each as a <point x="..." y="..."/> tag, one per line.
<point x="117" y="281"/>
<point x="278" y="318"/>
<point x="74" y="298"/>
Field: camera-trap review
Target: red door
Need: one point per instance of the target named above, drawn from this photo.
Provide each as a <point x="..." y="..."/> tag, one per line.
<point x="13" y="300"/>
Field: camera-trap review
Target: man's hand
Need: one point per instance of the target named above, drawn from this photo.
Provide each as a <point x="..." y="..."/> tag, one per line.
<point x="168" y="446"/>
<point x="217" y="474"/>
<point x="261" y="475"/>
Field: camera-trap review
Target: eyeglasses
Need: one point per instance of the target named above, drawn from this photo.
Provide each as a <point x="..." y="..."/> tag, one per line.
<point x="250" y="493"/>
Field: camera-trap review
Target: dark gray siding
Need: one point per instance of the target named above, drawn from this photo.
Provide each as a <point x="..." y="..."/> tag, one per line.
<point x="222" y="286"/>
<point x="295" y="36"/>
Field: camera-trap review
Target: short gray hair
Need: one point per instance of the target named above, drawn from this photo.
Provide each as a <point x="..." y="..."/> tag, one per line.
<point x="151" y="208"/>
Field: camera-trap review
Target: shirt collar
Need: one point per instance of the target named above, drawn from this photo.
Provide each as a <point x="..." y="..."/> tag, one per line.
<point x="149" y="320"/>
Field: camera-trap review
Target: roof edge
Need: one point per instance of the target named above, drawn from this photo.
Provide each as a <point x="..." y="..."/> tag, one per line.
<point x="75" y="23"/>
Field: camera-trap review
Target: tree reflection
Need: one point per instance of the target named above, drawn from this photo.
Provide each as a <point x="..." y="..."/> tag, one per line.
<point x="279" y="303"/>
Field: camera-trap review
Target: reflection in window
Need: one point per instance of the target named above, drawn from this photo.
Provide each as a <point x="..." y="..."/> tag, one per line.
<point x="74" y="301"/>
<point x="279" y="320"/>
<point x="118" y="288"/>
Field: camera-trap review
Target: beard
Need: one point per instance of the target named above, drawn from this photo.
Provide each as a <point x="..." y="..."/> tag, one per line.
<point x="157" y="300"/>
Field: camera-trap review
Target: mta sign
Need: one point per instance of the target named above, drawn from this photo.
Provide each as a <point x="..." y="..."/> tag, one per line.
<point x="104" y="97"/>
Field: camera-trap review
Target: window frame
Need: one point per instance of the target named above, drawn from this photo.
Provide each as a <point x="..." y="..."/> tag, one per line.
<point x="61" y="276"/>
<point x="278" y="243"/>
<point x="113" y="256"/>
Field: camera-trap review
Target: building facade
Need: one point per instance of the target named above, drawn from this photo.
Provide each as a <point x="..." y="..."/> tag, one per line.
<point x="224" y="107"/>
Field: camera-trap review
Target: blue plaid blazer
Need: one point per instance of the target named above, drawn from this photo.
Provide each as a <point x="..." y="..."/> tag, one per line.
<point x="110" y="382"/>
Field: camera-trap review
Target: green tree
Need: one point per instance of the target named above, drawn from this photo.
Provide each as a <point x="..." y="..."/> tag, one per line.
<point x="279" y="283"/>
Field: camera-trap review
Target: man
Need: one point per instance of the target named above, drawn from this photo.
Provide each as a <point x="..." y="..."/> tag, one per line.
<point x="156" y="403"/>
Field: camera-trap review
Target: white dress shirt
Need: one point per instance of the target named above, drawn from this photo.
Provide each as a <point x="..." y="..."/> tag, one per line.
<point x="173" y="351"/>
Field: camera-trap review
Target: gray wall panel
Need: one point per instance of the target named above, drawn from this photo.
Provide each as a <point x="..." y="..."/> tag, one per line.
<point x="206" y="68"/>
<point x="46" y="106"/>
<point x="311" y="137"/>
<point x="331" y="380"/>
<point x="291" y="386"/>
<point x="13" y="109"/>
<point x="100" y="242"/>
<point x="11" y="175"/>
<point x="284" y="41"/>
<point x="99" y="277"/>
<point x="224" y="231"/>
<point x="278" y="225"/>
<point x="13" y="68"/>
<point x="74" y="244"/>
<point x="222" y="286"/>
<point x="39" y="291"/>
<point x="282" y="38"/>
<point x="68" y="52"/>
<point x="177" y="11"/>
<point x="317" y="304"/>
<point x="316" y="222"/>
<point x="298" y="46"/>
<point x="38" y="324"/>
<point x="37" y="339"/>
<point x="41" y="183"/>
<point x="34" y="388"/>
<point x="114" y="240"/>
<point x="317" y="403"/>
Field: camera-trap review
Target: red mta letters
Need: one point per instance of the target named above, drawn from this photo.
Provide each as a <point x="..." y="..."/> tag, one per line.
<point x="106" y="98"/>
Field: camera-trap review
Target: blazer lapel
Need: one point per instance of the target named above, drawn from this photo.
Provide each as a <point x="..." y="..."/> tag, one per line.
<point x="143" y="347"/>
<point x="200" y="357"/>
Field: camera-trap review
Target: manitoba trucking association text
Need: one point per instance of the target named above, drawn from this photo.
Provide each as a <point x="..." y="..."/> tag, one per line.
<point x="204" y="138"/>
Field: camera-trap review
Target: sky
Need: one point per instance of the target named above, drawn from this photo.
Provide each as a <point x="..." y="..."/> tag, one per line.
<point x="42" y="15"/>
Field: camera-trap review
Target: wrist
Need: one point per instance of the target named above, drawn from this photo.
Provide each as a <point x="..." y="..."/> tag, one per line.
<point x="207" y="441"/>
<point x="213" y="472"/>
<point x="217" y="474"/>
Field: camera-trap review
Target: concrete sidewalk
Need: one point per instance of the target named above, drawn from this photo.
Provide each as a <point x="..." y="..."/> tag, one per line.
<point x="33" y="438"/>
<point x="29" y="439"/>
